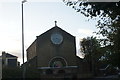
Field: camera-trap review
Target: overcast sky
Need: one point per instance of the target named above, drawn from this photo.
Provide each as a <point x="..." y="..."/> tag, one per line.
<point x="39" y="16"/>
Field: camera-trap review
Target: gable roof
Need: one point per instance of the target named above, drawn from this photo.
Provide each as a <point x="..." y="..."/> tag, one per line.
<point x="56" y="28"/>
<point x="8" y="55"/>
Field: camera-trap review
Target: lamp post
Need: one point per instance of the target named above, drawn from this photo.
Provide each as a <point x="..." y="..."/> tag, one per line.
<point x="24" y="68"/>
<point x="23" y="31"/>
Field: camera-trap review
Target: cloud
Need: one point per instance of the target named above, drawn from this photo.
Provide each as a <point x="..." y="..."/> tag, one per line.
<point x="80" y="54"/>
<point x="85" y="31"/>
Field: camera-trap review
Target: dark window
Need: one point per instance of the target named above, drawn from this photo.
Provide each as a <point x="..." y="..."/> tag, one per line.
<point x="12" y="62"/>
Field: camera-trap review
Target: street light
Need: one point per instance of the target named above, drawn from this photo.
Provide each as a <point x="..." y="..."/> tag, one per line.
<point x="24" y="68"/>
<point x="23" y="31"/>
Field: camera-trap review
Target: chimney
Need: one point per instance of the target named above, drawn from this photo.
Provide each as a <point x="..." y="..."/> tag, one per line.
<point x="3" y="55"/>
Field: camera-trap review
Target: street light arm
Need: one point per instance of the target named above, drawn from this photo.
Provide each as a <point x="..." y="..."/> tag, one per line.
<point x="24" y="1"/>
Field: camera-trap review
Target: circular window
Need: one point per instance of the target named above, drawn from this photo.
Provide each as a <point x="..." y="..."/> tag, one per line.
<point x="58" y="62"/>
<point x="56" y="38"/>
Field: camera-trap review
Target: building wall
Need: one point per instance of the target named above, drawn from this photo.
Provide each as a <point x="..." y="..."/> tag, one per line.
<point x="46" y="50"/>
<point x="9" y="60"/>
<point x="31" y="51"/>
<point x="32" y="63"/>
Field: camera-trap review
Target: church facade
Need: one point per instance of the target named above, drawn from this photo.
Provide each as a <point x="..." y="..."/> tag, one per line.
<point x="54" y="48"/>
<point x="54" y="52"/>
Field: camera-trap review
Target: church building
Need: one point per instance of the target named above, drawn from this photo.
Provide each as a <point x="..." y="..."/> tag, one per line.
<point x="53" y="51"/>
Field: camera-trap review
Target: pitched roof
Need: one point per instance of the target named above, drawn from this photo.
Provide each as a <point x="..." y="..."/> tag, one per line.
<point x="54" y="28"/>
<point x="8" y="55"/>
<point x="58" y="28"/>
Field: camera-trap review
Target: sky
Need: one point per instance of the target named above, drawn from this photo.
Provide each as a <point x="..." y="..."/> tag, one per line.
<point x="39" y="16"/>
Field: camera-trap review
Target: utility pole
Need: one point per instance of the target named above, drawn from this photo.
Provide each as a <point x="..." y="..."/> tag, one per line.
<point x="23" y="32"/>
<point x="24" y="67"/>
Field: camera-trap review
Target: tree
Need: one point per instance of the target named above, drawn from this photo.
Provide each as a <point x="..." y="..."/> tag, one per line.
<point x="108" y="16"/>
<point x="91" y="47"/>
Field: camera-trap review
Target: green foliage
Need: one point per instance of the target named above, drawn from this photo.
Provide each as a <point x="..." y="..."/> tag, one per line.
<point x="91" y="47"/>
<point x="89" y="44"/>
<point x="108" y="16"/>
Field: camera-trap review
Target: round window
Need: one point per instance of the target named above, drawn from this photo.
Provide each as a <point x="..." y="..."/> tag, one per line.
<point x="58" y="62"/>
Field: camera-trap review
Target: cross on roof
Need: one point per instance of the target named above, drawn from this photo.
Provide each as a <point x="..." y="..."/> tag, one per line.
<point x="55" y="23"/>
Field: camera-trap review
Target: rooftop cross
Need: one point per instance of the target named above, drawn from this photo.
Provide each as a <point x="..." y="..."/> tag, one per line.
<point x="55" y="23"/>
